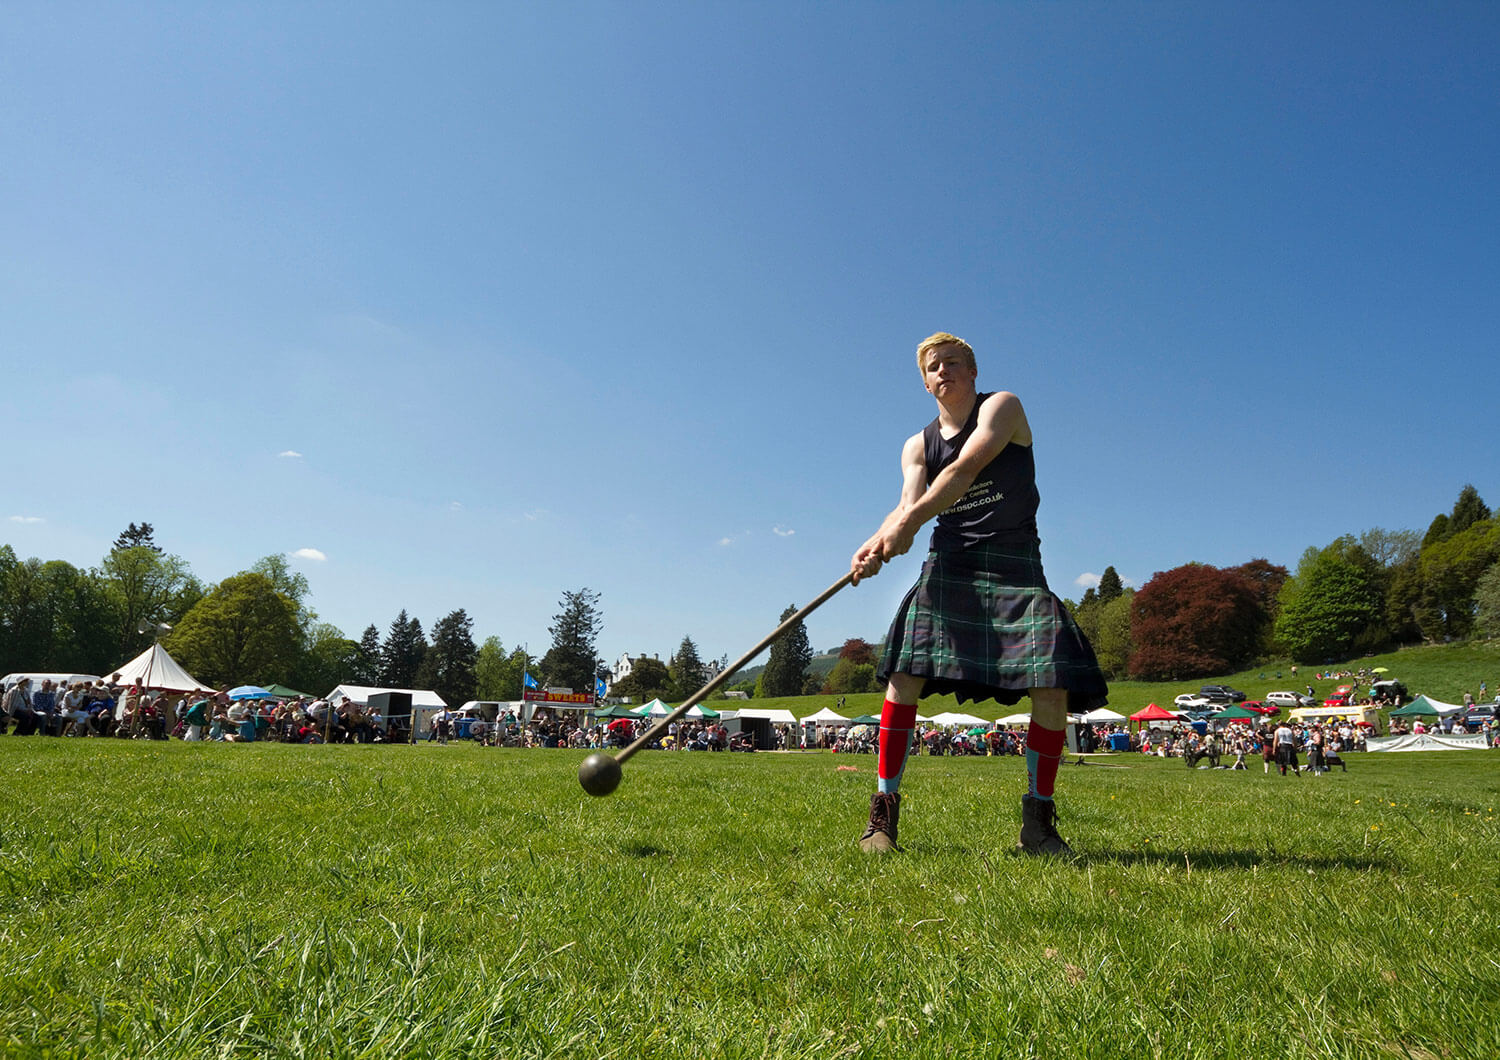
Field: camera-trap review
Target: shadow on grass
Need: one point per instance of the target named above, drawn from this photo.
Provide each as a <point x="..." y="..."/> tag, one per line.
<point x="1238" y="859"/>
<point x="643" y="850"/>
<point x="1196" y="858"/>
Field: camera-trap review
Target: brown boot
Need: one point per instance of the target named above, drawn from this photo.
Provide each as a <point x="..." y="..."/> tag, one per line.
<point x="1039" y="829"/>
<point x="885" y="813"/>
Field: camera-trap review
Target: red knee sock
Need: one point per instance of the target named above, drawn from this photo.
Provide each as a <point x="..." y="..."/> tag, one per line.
<point x="897" y="720"/>
<point x="1044" y="748"/>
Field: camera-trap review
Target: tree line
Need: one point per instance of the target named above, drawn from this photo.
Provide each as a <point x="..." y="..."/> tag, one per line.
<point x="1360" y="594"/>
<point x="1373" y="592"/>
<point x="255" y="627"/>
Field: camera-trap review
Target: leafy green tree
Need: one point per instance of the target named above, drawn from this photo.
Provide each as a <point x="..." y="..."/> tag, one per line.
<point x="145" y="586"/>
<point x="573" y="661"/>
<point x="329" y="659"/>
<point x="243" y="631"/>
<point x="448" y="666"/>
<point x="1110" y="586"/>
<point x="687" y="670"/>
<point x="1332" y="602"/>
<point x="849" y="677"/>
<point x="401" y="653"/>
<point x="648" y="679"/>
<point x="786" y="669"/>
<point x="1450" y="570"/>
<point x="498" y="675"/>
<point x="1487" y="602"/>
<point x="1111" y="636"/>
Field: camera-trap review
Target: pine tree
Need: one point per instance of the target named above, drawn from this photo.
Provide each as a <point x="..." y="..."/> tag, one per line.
<point x="1467" y="510"/>
<point x="1110" y="586"/>
<point x="573" y="661"/>
<point x="367" y="666"/>
<point x="401" y="654"/>
<point x="786" y="669"/>
<point x="136" y="537"/>
<point x="687" y="670"/>
<point x="448" y="666"/>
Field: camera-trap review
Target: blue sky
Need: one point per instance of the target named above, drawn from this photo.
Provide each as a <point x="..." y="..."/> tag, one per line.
<point x="481" y="303"/>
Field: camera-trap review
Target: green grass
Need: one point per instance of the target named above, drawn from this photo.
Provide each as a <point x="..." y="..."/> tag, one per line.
<point x="286" y="901"/>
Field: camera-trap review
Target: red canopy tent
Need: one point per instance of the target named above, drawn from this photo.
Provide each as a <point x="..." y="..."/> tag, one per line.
<point x="1153" y="713"/>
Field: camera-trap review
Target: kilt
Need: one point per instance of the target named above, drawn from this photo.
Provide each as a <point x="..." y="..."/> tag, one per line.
<point x="981" y="623"/>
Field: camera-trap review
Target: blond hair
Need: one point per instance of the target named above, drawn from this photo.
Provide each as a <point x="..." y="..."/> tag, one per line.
<point x="942" y="338"/>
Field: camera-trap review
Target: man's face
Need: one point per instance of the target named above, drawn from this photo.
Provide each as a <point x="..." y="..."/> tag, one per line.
<point x="946" y="372"/>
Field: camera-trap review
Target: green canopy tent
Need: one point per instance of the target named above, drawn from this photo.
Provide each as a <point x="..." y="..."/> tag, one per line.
<point x="283" y="692"/>
<point x="1235" y="713"/>
<point x="1421" y="706"/>
<point x="865" y="719"/>
<point x="616" y="711"/>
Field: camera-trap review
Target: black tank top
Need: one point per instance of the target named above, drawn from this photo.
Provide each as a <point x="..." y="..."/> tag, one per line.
<point x="1000" y="507"/>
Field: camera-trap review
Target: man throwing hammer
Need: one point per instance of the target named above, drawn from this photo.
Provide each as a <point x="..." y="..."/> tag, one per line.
<point x="981" y="622"/>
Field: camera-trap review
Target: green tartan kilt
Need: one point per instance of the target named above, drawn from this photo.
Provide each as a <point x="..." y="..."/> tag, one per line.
<point x="981" y="623"/>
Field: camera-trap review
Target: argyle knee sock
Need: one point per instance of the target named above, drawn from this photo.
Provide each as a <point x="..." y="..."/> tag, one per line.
<point x="1044" y="748"/>
<point x="897" y="721"/>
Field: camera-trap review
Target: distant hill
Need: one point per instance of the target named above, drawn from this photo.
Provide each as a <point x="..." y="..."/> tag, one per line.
<point x="819" y="665"/>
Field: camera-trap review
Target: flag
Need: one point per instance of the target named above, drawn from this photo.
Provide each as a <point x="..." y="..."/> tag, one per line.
<point x="599" y="688"/>
<point x="528" y="680"/>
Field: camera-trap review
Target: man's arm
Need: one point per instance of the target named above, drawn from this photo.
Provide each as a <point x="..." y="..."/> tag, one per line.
<point x="869" y="557"/>
<point x="1001" y="419"/>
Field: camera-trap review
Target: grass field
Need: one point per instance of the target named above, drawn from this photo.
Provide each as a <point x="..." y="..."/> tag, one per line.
<point x="286" y="901"/>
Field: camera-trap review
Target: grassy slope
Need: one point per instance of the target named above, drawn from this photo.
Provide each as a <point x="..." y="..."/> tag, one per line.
<point x="1444" y="672"/>
<point x="268" y="901"/>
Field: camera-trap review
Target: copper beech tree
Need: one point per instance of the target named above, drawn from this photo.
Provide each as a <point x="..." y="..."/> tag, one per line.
<point x="1197" y="620"/>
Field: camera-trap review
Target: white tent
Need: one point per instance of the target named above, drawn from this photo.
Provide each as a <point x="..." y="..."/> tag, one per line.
<point x="950" y="718"/>
<point x="420" y="698"/>
<point x="1093" y="717"/>
<point x="38" y="678"/>
<point x="657" y="709"/>
<point x="1015" y="719"/>
<point x="826" y="715"/>
<point x="775" y="717"/>
<point x="154" y="668"/>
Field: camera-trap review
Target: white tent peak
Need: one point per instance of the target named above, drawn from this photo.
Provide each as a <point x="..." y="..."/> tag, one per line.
<point x="155" y="668"/>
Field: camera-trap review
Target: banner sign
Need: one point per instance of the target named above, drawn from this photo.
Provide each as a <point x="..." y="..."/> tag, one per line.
<point x="575" y="698"/>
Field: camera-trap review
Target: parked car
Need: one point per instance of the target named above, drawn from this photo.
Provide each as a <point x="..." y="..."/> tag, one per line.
<point x="1475" y="717"/>
<point x="1221" y="694"/>
<point x="1392" y="690"/>
<point x="1192" y="701"/>
<point x="1336" y="701"/>
<point x="1290" y="700"/>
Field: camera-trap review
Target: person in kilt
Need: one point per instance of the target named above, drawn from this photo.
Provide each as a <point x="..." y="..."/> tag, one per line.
<point x="981" y="622"/>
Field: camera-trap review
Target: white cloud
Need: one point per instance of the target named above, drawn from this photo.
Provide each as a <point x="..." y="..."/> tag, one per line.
<point x="726" y="541"/>
<point x="455" y="506"/>
<point x="782" y="531"/>
<point x="1087" y="580"/>
<point x="310" y="553"/>
<point x="28" y="519"/>
<point x="291" y="454"/>
<point x="537" y="513"/>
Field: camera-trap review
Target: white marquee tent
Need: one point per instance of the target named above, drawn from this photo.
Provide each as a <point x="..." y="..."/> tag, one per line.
<point x="825" y="716"/>
<point x="154" y="668"/>
<point x="951" y="718"/>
